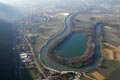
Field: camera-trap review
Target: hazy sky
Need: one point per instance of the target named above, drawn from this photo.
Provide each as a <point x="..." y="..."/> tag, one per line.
<point x="19" y="2"/>
<point x="34" y="3"/>
<point x="10" y="1"/>
<point x="24" y="2"/>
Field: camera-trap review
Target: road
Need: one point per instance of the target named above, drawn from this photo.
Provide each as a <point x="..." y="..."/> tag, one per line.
<point x="88" y="76"/>
<point x="35" y="57"/>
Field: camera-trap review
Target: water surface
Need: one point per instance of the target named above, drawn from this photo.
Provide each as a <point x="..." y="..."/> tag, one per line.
<point x="7" y="58"/>
<point x="73" y="46"/>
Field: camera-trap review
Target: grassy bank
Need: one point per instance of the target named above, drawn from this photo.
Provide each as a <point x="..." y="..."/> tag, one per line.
<point x="30" y="74"/>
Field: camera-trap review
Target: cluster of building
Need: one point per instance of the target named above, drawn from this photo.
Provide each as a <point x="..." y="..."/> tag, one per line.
<point x="27" y="60"/>
<point x="26" y="56"/>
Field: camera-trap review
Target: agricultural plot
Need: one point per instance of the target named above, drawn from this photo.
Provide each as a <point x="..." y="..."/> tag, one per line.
<point x="83" y="24"/>
<point x="118" y="49"/>
<point x="112" y="35"/>
<point x="118" y="57"/>
<point x="98" y="75"/>
<point x="114" y="75"/>
<point x="109" y="66"/>
<point x="109" y="54"/>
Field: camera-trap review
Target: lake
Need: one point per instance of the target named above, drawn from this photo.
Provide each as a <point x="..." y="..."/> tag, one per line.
<point x="7" y="58"/>
<point x="72" y="46"/>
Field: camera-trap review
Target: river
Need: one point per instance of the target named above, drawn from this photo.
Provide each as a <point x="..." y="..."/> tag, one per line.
<point x="65" y="32"/>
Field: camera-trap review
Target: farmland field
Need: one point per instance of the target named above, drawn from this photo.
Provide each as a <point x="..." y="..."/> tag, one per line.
<point x="114" y="75"/>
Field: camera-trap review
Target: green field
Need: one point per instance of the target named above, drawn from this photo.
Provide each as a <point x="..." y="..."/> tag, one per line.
<point x="39" y="40"/>
<point x="83" y="24"/>
<point x="89" y="74"/>
<point x="25" y="75"/>
<point x="30" y="74"/>
<point x="108" y="67"/>
<point x="114" y="75"/>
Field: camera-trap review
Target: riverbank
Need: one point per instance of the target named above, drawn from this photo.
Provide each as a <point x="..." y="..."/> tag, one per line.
<point x="56" y="66"/>
<point x="58" y="58"/>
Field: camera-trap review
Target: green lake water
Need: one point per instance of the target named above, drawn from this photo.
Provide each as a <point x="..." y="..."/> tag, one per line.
<point x="73" y="46"/>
